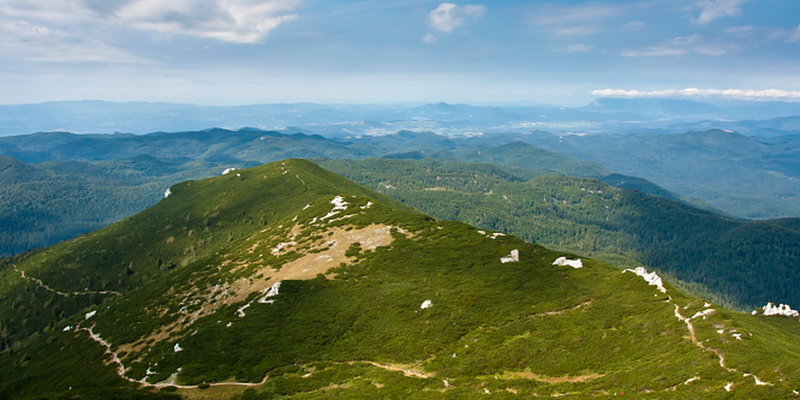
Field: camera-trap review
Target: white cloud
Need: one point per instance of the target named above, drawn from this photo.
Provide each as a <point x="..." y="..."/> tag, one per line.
<point x="574" y="20"/>
<point x="578" y="48"/>
<point x="794" y="35"/>
<point x="741" y="94"/>
<point x="740" y="31"/>
<point x="655" y="51"/>
<point x="633" y="26"/>
<point x="552" y="15"/>
<point x="578" y="30"/>
<point x="682" y="45"/>
<point x="449" y="16"/>
<point x="710" y="50"/>
<point x="760" y="35"/>
<point x="27" y="41"/>
<point x="711" y="10"/>
<point x="429" y="38"/>
<point x="238" y="21"/>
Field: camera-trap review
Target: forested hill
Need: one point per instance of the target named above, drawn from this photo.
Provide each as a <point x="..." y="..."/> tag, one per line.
<point x="748" y="263"/>
<point x="41" y="204"/>
<point x="59" y="185"/>
<point x="286" y="280"/>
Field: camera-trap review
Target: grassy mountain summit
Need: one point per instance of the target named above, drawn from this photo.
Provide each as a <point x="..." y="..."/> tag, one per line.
<point x="286" y="280"/>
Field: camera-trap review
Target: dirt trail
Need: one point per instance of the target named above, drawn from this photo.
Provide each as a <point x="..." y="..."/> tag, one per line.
<point x="122" y="370"/>
<point x="548" y="379"/>
<point x="38" y="282"/>
<point x="559" y="312"/>
<point x="722" y="362"/>
<point x="406" y="369"/>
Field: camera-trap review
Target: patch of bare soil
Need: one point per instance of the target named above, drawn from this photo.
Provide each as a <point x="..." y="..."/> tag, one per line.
<point x="322" y="255"/>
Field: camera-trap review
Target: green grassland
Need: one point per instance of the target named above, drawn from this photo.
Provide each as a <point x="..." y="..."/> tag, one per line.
<point x="357" y="330"/>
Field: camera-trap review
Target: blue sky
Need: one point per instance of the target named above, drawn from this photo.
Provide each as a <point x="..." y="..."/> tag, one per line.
<point x="263" y="51"/>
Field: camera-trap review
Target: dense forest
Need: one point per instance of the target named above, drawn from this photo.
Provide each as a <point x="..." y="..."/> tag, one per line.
<point x="45" y="203"/>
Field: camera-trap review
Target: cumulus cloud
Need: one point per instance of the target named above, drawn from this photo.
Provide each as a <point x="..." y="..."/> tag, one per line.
<point x="681" y="45"/>
<point x="711" y="10"/>
<point x="449" y="16"/>
<point x="238" y="21"/>
<point x="741" y="94"/>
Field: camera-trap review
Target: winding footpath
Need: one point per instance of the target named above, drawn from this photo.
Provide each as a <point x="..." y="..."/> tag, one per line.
<point x="709" y="349"/>
<point x="121" y="370"/>
<point x="38" y="282"/>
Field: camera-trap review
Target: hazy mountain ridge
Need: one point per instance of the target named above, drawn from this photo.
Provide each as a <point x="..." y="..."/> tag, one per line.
<point x="341" y="120"/>
<point x="753" y="178"/>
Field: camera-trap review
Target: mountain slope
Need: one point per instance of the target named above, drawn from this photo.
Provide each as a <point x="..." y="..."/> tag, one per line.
<point x="288" y="280"/>
<point x="747" y="263"/>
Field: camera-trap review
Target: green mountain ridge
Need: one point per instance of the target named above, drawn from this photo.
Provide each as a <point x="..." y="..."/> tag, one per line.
<point x="288" y="281"/>
<point x="741" y="263"/>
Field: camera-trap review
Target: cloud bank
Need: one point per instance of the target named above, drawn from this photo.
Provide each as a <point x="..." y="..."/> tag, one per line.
<point x="27" y="41"/>
<point x="739" y="94"/>
<point x="714" y="9"/>
<point x="237" y="21"/>
<point x="692" y="44"/>
<point x="449" y="16"/>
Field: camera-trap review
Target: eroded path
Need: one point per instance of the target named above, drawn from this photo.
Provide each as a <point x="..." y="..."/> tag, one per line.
<point x="38" y="282"/>
<point x="720" y="355"/>
<point x="122" y="370"/>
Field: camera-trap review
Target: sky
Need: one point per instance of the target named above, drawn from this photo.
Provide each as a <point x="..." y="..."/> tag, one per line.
<point x="226" y="52"/>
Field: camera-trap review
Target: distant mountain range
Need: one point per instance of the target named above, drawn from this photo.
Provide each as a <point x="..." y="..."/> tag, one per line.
<point x="618" y="115"/>
<point x="739" y="175"/>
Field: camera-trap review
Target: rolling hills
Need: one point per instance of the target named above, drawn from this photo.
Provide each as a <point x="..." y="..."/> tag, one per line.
<point x="286" y="280"/>
<point x="58" y="185"/>
<point x="740" y="175"/>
